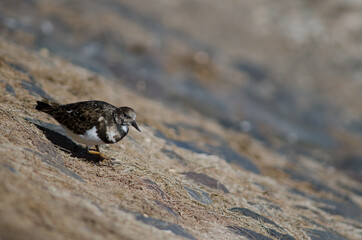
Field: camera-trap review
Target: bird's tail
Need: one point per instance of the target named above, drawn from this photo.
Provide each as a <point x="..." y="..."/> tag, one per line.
<point x="45" y="105"/>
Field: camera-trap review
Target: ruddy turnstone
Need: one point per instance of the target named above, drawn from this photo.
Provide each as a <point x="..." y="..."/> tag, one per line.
<point x="91" y="122"/>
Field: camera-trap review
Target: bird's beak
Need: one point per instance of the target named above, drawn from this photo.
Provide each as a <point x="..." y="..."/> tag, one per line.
<point x="134" y="124"/>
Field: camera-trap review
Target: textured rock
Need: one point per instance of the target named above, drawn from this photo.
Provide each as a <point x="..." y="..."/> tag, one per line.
<point x="316" y="234"/>
<point x="174" y="228"/>
<point x="199" y="195"/>
<point x="249" y="234"/>
<point x="10" y="89"/>
<point x="252" y="99"/>
<point x="254" y="215"/>
<point x="279" y="235"/>
<point x="34" y="89"/>
<point x="206" y="180"/>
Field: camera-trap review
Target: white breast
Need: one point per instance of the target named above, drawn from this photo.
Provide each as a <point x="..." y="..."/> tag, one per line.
<point x="125" y="128"/>
<point x="113" y="132"/>
<point x="111" y="135"/>
<point x="89" y="138"/>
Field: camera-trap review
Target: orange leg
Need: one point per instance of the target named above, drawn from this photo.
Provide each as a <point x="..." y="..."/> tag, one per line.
<point x="97" y="152"/>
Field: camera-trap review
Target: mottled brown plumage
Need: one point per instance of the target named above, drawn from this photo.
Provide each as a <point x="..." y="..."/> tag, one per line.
<point x="78" y="117"/>
<point x="91" y="122"/>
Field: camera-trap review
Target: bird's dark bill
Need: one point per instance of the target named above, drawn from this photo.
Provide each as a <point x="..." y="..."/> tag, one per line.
<point x="134" y="124"/>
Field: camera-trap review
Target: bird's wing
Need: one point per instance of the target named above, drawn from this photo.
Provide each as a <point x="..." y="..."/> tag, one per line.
<point x="82" y="116"/>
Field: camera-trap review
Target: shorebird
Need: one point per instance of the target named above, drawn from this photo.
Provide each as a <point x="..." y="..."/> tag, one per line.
<point x="92" y="123"/>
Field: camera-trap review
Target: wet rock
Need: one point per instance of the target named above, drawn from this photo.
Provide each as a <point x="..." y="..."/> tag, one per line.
<point x="10" y="89"/>
<point x="352" y="189"/>
<point x="153" y="186"/>
<point x="253" y="215"/>
<point x="250" y="234"/>
<point x="182" y="144"/>
<point x="254" y="71"/>
<point x="274" y="206"/>
<point x="206" y="180"/>
<point x="269" y="204"/>
<point x="177" y="127"/>
<point x="165" y="207"/>
<point x="56" y="162"/>
<point x="233" y="157"/>
<point x="47" y="27"/>
<point x="171" y="154"/>
<point x="279" y="235"/>
<point x="188" y="145"/>
<point x="223" y="151"/>
<point x="352" y="165"/>
<point x="34" y="89"/>
<point x="314" y="223"/>
<point x="18" y="67"/>
<point x="174" y="228"/>
<point x="307" y="208"/>
<point x="10" y="168"/>
<point x="316" y="184"/>
<point x="199" y="195"/>
<point x="344" y="207"/>
<point x="316" y="234"/>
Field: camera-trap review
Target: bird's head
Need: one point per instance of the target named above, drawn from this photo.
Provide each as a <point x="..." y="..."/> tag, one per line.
<point x="126" y="116"/>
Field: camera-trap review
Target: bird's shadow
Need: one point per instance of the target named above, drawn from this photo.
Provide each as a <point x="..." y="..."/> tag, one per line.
<point x="58" y="137"/>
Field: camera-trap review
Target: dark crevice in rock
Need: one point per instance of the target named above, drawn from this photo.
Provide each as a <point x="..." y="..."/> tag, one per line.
<point x="172" y="155"/>
<point x="316" y="234"/>
<point x="206" y="180"/>
<point x="56" y="163"/>
<point x="250" y="234"/>
<point x="174" y="228"/>
<point x="165" y="207"/>
<point x="34" y="89"/>
<point x="344" y="207"/>
<point x="253" y="215"/>
<point x="199" y="195"/>
<point x="224" y="151"/>
<point x="279" y="235"/>
<point x="10" y="89"/>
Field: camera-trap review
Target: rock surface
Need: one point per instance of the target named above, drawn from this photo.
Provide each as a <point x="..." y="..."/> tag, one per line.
<point x="192" y="173"/>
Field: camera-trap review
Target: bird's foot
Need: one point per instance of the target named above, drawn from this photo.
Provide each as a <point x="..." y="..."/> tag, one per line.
<point x="94" y="152"/>
<point x="102" y="157"/>
<point x="106" y="161"/>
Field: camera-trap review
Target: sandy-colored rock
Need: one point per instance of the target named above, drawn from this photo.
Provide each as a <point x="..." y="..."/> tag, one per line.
<point x="47" y="192"/>
<point x="249" y="110"/>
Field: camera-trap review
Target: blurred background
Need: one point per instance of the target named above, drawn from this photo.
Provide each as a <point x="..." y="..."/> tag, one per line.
<point x="289" y="73"/>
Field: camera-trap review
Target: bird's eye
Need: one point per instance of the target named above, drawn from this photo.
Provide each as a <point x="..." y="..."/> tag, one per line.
<point x="125" y="115"/>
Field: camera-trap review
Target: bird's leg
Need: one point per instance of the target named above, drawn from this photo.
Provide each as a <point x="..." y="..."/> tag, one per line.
<point x="95" y="152"/>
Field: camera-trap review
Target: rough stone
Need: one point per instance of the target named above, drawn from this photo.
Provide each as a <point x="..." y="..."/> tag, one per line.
<point x="199" y="195"/>
<point x="316" y="234"/>
<point x="56" y="162"/>
<point x="204" y="105"/>
<point x="10" y="89"/>
<point x="34" y="89"/>
<point x="279" y="235"/>
<point x="174" y="228"/>
<point x="250" y="234"/>
<point x="253" y="215"/>
<point x="206" y="180"/>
